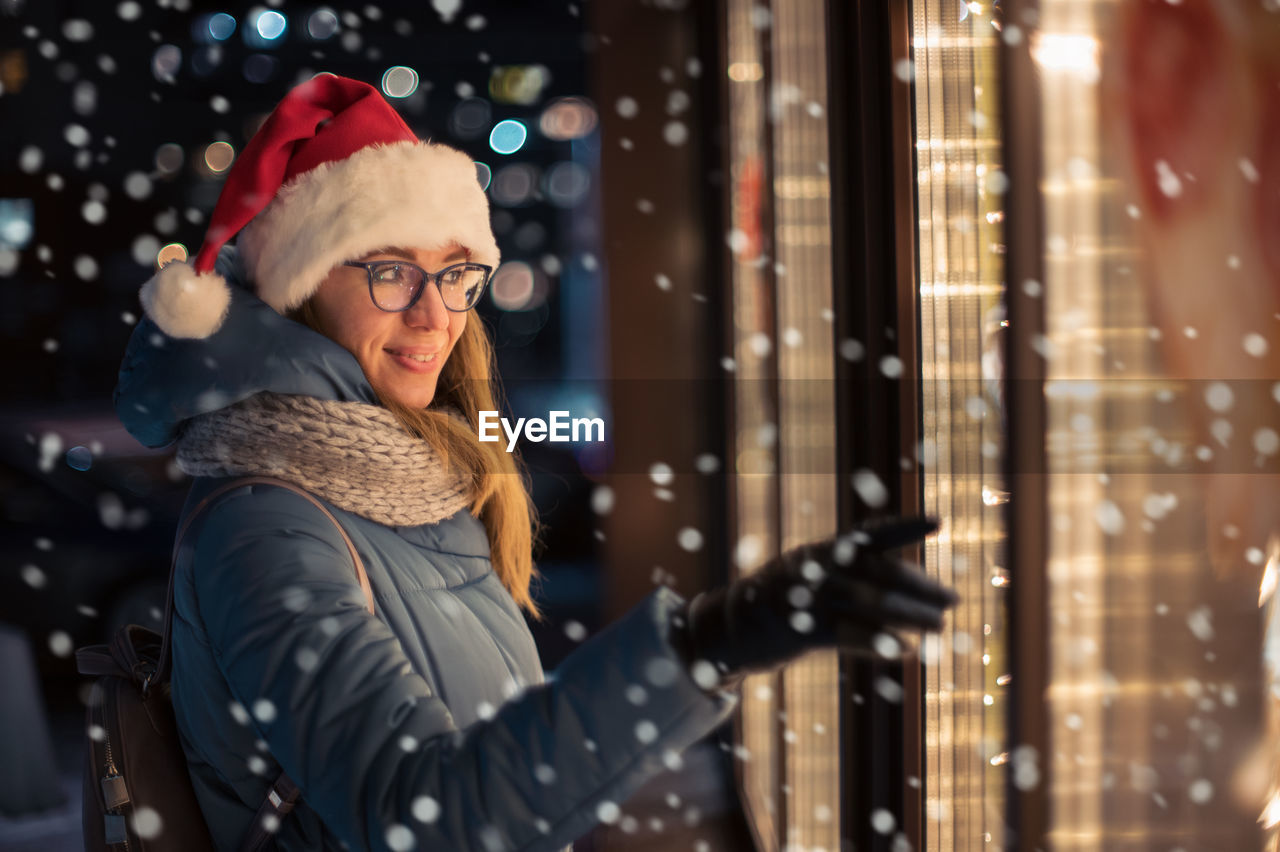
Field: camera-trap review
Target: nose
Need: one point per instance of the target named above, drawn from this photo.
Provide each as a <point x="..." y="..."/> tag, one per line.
<point x="429" y="311"/>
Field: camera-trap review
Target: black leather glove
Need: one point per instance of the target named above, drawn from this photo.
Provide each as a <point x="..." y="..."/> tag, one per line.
<point x="836" y="593"/>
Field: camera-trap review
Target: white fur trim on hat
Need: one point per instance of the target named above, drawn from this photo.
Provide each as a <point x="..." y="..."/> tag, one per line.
<point x="186" y="303"/>
<point x="409" y="194"/>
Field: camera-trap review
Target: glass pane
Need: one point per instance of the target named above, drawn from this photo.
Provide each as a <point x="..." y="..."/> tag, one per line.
<point x="785" y="442"/>
<point x="1159" y="300"/>
<point x="960" y="187"/>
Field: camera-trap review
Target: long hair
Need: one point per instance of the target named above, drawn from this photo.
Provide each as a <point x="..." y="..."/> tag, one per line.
<point x="500" y="495"/>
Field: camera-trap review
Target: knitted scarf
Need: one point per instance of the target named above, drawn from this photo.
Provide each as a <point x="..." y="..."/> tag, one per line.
<point x="356" y="456"/>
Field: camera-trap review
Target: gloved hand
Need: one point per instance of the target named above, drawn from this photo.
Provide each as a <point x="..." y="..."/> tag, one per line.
<point x="839" y="592"/>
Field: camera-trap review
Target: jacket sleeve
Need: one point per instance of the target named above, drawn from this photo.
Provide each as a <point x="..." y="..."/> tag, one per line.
<point x="374" y="752"/>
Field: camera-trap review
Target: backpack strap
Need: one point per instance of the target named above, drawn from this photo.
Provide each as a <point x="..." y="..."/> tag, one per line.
<point x="162" y="668"/>
<point x="283" y="793"/>
<point x="280" y="800"/>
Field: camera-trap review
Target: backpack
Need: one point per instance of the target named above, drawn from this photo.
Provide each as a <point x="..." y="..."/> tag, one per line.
<point x="138" y="796"/>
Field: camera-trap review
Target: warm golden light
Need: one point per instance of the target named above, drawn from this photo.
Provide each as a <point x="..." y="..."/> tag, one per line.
<point x="1068" y="53"/>
<point x="1268" y="586"/>
<point x="1271" y="813"/>
<point x="170" y="253"/>
<point x="568" y="118"/>
<point x="218" y="157"/>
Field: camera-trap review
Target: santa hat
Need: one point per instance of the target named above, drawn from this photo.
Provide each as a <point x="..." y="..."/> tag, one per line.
<point x="333" y="174"/>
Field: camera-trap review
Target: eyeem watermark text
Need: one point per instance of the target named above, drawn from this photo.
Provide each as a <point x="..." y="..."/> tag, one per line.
<point x="560" y="428"/>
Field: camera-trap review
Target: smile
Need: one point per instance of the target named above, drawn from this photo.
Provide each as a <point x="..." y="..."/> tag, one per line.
<point x="414" y="362"/>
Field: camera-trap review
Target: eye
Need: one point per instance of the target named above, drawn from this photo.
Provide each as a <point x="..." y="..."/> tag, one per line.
<point x="453" y="277"/>
<point x="391" y="273"/>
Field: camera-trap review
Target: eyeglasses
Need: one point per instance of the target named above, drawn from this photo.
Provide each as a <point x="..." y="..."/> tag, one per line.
<point x="396" y="285"/>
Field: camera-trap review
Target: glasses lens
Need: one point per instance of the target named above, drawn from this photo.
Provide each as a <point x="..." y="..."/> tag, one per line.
<point x="462" y="286"/>
<point x="393" y="285"/>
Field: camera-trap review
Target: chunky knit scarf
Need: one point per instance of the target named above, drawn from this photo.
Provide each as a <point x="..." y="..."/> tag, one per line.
<point x="356" y="456"/>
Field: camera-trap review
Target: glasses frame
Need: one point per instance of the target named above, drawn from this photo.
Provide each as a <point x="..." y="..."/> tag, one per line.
<point x="368" y="267"/>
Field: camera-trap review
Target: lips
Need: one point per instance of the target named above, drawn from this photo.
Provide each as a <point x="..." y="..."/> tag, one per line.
<point x="412" y="358"/>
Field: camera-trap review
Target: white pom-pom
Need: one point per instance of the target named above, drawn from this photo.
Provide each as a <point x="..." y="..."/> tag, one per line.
<point x="185" y="303"/>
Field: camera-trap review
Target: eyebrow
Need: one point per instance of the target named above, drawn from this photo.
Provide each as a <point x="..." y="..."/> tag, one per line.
<point x="408" y="255"/>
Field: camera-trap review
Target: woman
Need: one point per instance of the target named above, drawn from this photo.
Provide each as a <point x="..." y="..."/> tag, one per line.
<point x="332" y="347"/>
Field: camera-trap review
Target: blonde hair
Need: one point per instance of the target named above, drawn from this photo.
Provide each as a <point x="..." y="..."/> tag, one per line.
<point x="500" y="498"/>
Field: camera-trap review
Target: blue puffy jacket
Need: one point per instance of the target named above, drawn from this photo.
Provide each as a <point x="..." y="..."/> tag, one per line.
<point x="428" y="725"/>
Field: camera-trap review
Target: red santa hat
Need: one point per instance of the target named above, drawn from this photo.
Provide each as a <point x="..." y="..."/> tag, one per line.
<point x="333" y="174"/>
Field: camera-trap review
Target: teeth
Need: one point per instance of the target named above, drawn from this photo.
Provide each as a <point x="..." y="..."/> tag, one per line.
<point x="420" y="357"/>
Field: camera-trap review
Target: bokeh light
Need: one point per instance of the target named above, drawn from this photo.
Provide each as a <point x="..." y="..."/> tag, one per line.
<point x="484" y="174"/>
<point x="17" y="222"/>
<point x="512" y="286"/>
<point x="145" y="250"/>
<point x="170" y="253"/>
<point x="206" y="60"/>
<point x="322" y="24"/>
<point x="165" y="62"/>
<point x="568" y="118"/>
<point x="530" y="236"/>
<point x="513" y="185"/>
<point x="518" y="84"/>
<point x="508" y="136"/>
<point x="221" y="26"/>
<point x="399" y="81"/>
<point x="270" y="24"/>
<point x="79" y="458"/>
<point x="566" y="184"/>
<point x="469" y="118"/>
<point x="219" y="156"/>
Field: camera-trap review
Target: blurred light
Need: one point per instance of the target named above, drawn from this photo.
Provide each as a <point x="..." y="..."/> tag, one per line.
<point x="1068" y="53"/>
<point x="399" y="81"/>
<point x="567" y="183"/>
<point x="17" y="223"/>
<point x="508" y="136"/>
<point x="259" y="68"/>
<point x="13" y="70"/>
<point x="322" y="24"/>
<point x="270" y="24"/>
<point x="205" y="62"/>
<point x="77" y="29"/>
<point x="84" y="98"/>
<point x="218" y="157"/>
<point x="79" y="458"/>
<point x="137" y="186"/>
<point x="530" y="236"/>
<point x="170" y="253"/>
<point x="165" y="62"/>
<point x="469" y="118"/>
<point x="221" y="26"/>
<point x="512" y="286"/>
<point x="745" y="72"/>
<point x="518" y="84"/>
<point x="1271" y="813"/>
<point x="145" y="250"/>
<point x="1268" y="586"/>
<point x="513" y="185"/>
<point x="484" y="174"/>
<point x="568" y="118"/>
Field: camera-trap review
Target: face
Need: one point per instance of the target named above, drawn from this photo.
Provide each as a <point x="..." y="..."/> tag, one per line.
<point x="390" y="346"/>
